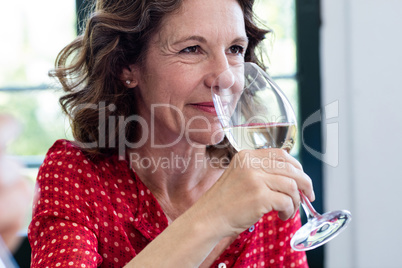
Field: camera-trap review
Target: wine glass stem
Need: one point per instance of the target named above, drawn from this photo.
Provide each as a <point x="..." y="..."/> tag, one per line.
<point x="308" y="208"/>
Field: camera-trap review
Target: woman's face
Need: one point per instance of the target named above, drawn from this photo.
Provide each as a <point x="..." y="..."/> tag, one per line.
<point x="192" y="47"/>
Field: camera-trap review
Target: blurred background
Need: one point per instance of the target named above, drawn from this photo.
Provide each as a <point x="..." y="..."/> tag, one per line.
<point x="338" y="61"/>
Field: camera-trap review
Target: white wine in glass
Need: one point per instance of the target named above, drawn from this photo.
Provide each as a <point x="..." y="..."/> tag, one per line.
<point x="255" y="114"/>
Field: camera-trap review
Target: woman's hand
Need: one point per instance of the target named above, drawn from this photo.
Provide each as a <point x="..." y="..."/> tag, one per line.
<point x="255" y="183"/>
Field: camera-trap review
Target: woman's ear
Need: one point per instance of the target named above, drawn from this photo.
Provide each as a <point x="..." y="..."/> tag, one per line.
<point x="129" y="76"/>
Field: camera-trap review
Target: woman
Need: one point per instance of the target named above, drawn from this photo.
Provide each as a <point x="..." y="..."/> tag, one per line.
<point x="141" y="186"/>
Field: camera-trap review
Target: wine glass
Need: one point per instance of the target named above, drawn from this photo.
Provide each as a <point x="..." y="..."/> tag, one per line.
<point x="255" y="113"/>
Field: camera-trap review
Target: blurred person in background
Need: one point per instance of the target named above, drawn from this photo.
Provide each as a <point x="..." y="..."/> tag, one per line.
<point x="15" y="196"/>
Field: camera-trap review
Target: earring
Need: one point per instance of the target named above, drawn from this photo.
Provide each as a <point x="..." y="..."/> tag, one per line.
<point x="128" y="82"/>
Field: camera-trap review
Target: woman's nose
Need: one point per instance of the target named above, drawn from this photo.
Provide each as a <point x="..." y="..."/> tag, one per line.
<point x="224" y="83"/>
<point x="219" y="74"/>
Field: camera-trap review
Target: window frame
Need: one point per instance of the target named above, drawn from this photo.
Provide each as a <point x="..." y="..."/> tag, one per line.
<point x="308" y="22"/>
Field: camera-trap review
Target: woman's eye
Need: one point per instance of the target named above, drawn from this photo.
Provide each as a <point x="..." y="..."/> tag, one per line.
<point x="192" y="49"/>
<point x="237" y="49"/>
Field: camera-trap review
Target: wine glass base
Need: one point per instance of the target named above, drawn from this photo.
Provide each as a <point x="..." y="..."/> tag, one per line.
<point x="320" y="230"/>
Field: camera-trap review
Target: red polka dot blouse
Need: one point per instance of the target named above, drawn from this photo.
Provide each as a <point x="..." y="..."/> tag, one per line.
<point x="100" y="214"/>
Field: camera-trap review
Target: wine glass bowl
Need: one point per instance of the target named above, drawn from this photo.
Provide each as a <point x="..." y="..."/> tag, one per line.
<point x="255" y="114"/>
<point x="253" y="111"/>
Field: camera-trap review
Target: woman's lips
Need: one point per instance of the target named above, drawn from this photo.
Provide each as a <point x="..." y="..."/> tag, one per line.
<point x="205" y="107"/>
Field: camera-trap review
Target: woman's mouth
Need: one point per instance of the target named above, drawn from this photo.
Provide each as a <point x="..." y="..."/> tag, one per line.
<point x="207" y="107"/>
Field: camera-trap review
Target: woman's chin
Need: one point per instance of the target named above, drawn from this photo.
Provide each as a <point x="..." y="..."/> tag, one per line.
<point x="205" y="139"/>
<point x="216" y="139"/>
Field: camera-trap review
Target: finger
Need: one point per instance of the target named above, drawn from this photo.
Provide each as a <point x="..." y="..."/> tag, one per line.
<point x="284" y="185"/>
<point x="303" y="181"/>
<point x="283" y="204"/>
<point x="283" y="156"/>
<point x="290" y="159"/>
<point x="305" y="184"/>
<point x="270" y="155"/>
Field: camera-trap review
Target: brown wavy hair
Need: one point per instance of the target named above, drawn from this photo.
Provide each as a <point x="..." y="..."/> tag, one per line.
<point x="116" y="35"/>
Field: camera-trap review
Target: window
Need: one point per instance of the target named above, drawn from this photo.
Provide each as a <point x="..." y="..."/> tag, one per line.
<point x="33" y="33"/>
<point x="279" y="51"/>
<point x="294" y="64"/>
<point x="36" y="34"/>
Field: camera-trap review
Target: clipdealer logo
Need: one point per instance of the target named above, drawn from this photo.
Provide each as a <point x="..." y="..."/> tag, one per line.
<point x="330" y="131"/>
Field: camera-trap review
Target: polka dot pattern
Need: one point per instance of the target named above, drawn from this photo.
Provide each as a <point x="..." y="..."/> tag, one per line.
<point x="98" y="213"/>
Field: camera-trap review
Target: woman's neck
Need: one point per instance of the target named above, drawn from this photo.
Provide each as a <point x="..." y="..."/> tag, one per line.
<point x="177" y="176"/>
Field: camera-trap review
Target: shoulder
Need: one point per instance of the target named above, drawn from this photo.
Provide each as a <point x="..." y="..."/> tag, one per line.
<point x="65" y="154"/>
<point x="62" y="148"/>
<point x="65" y="164"/>
<point x="65" y="185"/>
